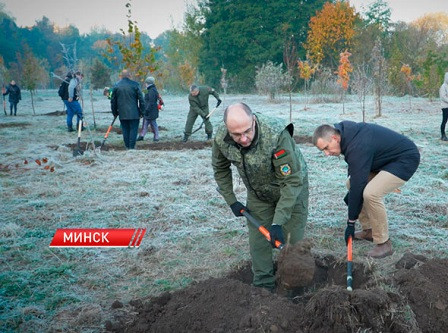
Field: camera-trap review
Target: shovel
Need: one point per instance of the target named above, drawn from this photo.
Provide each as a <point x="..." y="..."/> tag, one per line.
<point x="260" y="228"/>
<point x="107" y="133"/>
<point x="349" y="263"/>
<point x="203" y="121"/>
<point x="78" y="151"/>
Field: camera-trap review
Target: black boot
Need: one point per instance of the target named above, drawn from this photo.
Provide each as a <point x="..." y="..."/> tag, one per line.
<point x="209" y="136"/>
<point x="70" y="129"/>
<point x="444" y="138"/>
<point x="140" y="138"/>
<point x="185" y="139"/>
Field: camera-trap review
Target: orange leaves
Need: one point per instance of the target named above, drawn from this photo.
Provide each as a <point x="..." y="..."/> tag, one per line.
<point x="344" y="69"/>
<point x="407" y="71"/>
<point x="331" y="30"/>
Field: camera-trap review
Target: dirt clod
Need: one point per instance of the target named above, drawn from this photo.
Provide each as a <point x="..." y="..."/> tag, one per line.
<point x="296" y="266"/>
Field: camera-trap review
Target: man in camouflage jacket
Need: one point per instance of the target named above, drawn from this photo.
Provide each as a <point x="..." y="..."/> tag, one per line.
<point x="276" y="178"/>
<point x="198" y="100"/>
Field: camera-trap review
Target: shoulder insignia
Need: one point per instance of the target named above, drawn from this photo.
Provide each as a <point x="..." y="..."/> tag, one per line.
<point x="285" y="169"/>
<point x="281" y="153"/>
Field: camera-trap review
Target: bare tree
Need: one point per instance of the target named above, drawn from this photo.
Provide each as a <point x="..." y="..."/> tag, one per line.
<point x="379" y="67"/>
<point x="290" y="58"/>
<point x="362" y="85"/>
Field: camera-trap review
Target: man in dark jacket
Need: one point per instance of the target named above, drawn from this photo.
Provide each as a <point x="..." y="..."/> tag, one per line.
<point x="127" y="103"/>
<point x="198" y="100"/>
<point x="15" y="96"/>
<point x="379" y="162"/>
<point x="152" y="103"/>
<point x="276" y="178"/>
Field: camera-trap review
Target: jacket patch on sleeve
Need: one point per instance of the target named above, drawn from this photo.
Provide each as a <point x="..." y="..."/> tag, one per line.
<point x="285" y="169"/>
<point x="281" y="153"/>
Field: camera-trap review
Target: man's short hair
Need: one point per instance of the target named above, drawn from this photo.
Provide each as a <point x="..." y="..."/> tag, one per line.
<point x="244" y="106"/>
<point x="193" y="87"/>
<point x="324" y="132"/>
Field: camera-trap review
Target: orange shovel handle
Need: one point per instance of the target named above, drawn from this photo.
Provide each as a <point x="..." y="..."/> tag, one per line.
<point x="261" y="228"/>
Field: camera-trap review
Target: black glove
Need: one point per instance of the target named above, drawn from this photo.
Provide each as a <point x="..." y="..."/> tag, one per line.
<point x="237" y="207"/>
<point x="349" y="231"/>
<point x="219" y="102"/>
<point x="276" y="233"/>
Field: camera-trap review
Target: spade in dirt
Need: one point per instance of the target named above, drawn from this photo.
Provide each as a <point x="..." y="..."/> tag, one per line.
<point x="296" y="265"/>
<point x="78" y="151"/>
<point x="108" y="131"/>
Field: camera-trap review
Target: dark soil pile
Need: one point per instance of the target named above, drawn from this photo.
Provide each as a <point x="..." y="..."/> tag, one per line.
<point x="161" y="145"/>
<point x="426" y="288"/>
<point x="230" y="304"/>
<point x="56" y="113"/>
<point x="14" y="124"/>
<point x="296" y="266"/>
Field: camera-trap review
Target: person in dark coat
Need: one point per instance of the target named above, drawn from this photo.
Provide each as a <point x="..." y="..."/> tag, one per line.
<point x="379" y="162"/>
<point x="15" y="95"/>
<point x="127" y="103"/>
<point x="153" y="103"/>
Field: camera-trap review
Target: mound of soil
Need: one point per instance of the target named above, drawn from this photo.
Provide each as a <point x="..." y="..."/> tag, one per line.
<point x="161" y="145"/>
<point x="426" y="288"/>
<point x="55" y="113"/>
<point x="8" y="125"/>
<point x="230" y="304"/>
<point x="303" y="139"/>
<point x="296" y="266"/>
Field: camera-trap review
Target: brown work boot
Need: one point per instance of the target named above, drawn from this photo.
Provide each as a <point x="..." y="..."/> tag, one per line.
<point x="381" y="250"/>
<point x="364" y="234"/>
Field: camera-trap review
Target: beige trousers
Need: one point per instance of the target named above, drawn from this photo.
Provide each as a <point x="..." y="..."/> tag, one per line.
<point x="373" y="213"/>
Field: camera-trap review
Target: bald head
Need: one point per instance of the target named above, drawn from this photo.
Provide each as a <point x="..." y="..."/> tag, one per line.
<point x="240" y="123"/>
<point x="125" y="73"/>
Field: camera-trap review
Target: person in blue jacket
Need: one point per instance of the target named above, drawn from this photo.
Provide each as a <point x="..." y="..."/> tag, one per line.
<point x="379" y="162"/>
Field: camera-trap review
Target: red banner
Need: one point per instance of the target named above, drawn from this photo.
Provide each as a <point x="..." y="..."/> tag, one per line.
<point x="98" y="237"/>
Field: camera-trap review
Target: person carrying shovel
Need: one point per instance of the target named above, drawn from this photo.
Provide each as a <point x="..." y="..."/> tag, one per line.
<point x="198" y="100"/>
<point x="379" y="162"/>
<point x="276" y="178"/>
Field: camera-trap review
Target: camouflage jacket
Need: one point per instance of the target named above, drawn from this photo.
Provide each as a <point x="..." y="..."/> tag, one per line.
<point x="272" y="168"/>
<point x="199" y="103"/>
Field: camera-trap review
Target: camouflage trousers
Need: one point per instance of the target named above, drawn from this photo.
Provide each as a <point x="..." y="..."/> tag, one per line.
<point x="191" y="118"/>
<point x="260" y="249"/>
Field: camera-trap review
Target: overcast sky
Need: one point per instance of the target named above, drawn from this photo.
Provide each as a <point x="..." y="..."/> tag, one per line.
<point x="156" y="16"/>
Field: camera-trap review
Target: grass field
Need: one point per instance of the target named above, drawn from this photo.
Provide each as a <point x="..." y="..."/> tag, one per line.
<point x="191" y="233"/>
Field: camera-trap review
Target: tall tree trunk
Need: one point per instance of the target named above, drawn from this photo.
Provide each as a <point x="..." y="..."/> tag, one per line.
<point x="290" y="106"/>
<point x="32" y="102"/>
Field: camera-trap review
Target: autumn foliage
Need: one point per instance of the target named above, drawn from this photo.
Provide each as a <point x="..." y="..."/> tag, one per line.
<point x="331" y="30"/>
<point x="344" y="69"/>
<point x="133" y="55"/>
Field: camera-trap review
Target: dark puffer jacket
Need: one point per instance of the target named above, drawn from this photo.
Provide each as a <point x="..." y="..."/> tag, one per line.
<point x="151" y="98"/>
<point x="372" y="148"/>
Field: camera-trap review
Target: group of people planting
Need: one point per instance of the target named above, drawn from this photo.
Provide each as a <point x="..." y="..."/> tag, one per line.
<point x="274" y="171"/>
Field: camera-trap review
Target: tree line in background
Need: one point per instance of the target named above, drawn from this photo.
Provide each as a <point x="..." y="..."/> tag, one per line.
<point x="317" y="46"/>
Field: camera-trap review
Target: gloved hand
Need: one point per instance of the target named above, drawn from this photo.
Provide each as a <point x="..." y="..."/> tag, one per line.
<point x="237" y="207"/>
<point x="349" y="231"/>
<point x="276" y="233"/>
<point x="219" y="102"/>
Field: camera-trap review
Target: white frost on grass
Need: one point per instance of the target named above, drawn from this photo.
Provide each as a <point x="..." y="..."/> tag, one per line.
<point x="191" y="233"/>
